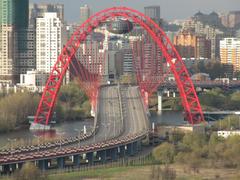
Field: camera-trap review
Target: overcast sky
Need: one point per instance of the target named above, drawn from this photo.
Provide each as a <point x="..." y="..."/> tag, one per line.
<point x="170" y="9"/>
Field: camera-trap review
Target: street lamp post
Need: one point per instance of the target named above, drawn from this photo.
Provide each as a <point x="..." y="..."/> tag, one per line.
<point x="79" y="135"/>
<point x="61" y="134"/>
<point x="114" y="126"/>
<point x="11" y="148"/>
<point x="38" y="143"/>
<point x="95" y="134"/>
<point x="38" y="138"/>
<point x="105" y="125"/>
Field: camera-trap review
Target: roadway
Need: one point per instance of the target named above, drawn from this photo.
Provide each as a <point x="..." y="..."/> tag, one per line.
<point x="135" y="116"/>
<point x="121" y="113"/>
<point x="121" y="118"/>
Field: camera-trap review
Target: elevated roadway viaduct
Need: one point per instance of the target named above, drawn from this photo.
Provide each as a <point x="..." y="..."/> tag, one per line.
<point x="121" y="125"/>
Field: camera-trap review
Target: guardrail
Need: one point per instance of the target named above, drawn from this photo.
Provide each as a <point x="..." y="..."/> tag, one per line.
<point x="44" y="146"/>
<point x="147" y="110"/>
<point x="16" y="158"/>
<point x="121" y="106"/>
<point x="208" y="83"/>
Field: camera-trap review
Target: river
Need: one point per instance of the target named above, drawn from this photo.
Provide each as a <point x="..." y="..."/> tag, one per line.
<point x="65" y="129"/>
<point x="72" y="128"/>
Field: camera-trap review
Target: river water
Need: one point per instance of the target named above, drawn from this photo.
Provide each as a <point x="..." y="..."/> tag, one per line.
<point x="72" y="128"/>
<point x="65" y="129"/>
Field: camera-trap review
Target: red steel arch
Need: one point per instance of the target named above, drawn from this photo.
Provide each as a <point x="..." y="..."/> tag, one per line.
<point x="190" y="101"/>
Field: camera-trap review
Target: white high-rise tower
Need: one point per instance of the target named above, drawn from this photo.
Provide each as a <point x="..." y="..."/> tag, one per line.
<point x="49" y="42"/>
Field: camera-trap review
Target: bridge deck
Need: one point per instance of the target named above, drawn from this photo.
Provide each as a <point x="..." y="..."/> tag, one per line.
<point x="113" y="103"/>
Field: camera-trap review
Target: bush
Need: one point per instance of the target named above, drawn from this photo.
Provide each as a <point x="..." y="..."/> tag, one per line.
<point x="176" y="136"/>
<point x="29" y="172"/>
<point x="73" y="103"/>
<point x="15" y="108"/>
<point x="164" y="153"/>
<point x="230" y="122"/>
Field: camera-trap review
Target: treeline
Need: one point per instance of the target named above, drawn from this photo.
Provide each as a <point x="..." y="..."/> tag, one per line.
<point x="212" y="100"/>
<point x="72" y="104"/>
<point x="214" y="68"/>
<point x="231" y="122"/>
<point x="15" y="108"/>
<point x="199" y="150"/>
<point x="217" y="99"/>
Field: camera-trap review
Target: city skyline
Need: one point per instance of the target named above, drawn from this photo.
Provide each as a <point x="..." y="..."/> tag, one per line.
<point x="170" y="9"/>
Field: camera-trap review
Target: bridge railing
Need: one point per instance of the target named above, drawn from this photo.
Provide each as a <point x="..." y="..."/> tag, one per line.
<point x="146" y="111"/>
<point x="15" y="158"/>
<point x="121" y="108"/>
<point x="207" y="83"/>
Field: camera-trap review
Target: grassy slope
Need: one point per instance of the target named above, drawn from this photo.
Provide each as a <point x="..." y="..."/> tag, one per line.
<point x="144" y="173"/>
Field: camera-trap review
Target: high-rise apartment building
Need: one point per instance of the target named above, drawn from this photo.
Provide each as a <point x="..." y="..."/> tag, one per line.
<point x="50" y="39"/>
<point x="191" y="45"/>
<point x="93" y="57"/>
<point x="8" y="64"/>
<point x="14" y="12"/>
<point x="13" y="21"/>
<point x="231" y="19"/>
<point x="38" y="10"/>
<point x="26" y="51"/>
<point x="212" y="34"/>
<point x="84" y="13"/>
<point x="152" y="12"/>
<point x="230" y="52"/>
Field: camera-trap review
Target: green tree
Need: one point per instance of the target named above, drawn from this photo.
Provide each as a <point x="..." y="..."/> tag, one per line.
<point x="230" y="122"/>
<point x="214" y="68"/>
<point x="164" y="153"/>
<point x="194" y="140"/>
<point x="176" y="136"/>
<point x="15" y="108"/>
<point x="73" y="102"/>
<point x="214" y="139"/>
<point x="29" y="172"/>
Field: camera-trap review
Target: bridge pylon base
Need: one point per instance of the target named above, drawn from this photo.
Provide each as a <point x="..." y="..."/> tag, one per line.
<point x="35" y="126"/>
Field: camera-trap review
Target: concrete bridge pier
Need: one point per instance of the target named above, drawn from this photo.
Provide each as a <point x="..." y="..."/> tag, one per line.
<point x="159" y="93"/>
<point x="93" y="110"/>
<point x="168" y="93"/>
<point x="90" y="158"/>
<point x="102" y="155"/>
<point x="122" y="151"/>
<point x="139" y="145"/>
<point x="13" y="167"/>
<point x="76" y="160"/>
<point x="43" y="164"/>
<point x="174" y="94"/>
<point x="114" y="154"/>
<point x="5" y="169"/>
<point x="61" y="162"/>
<point x="135" y="147"/>
<point x="130" y="151"/>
